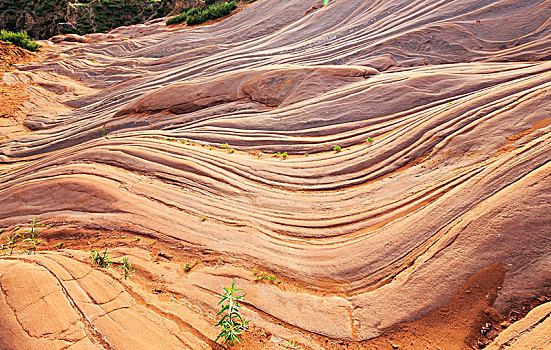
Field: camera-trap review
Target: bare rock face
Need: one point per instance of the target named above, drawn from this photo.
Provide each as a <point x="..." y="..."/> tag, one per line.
<point x="69" y="38"/>
<point x="532" y="332"/>
<point x="288" y="86"/>
<point x="54" y="302"/>
<point x="274" y="87"/>
<point x="441" y="112"/>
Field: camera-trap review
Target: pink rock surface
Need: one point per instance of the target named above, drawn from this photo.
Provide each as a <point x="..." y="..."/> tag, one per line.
<point x="456" y="97"/>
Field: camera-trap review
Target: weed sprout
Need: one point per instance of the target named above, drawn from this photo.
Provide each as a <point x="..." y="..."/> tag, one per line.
<point x="126" y="266"/>
<point x="232" y="323"/>
<point x="102" y="260"/>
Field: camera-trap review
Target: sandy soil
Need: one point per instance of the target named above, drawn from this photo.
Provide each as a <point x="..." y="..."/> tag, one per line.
<point x="429" y="229"/>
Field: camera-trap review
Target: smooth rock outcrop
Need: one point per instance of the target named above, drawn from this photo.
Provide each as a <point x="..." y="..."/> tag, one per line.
<point x="442" y="112"/>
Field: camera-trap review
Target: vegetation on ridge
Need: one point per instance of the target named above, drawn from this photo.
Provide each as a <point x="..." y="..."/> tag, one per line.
<point x="28" y="240"/>
<point x="43" y="19"/>
<point x="20" y="39"/>
<point x="103" y="261"/>
<point x="200" y="15"/>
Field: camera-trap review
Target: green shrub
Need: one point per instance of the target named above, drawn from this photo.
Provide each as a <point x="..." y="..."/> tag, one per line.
<point x="194" y="11"/>
<point x="214" y="11"/>
<point x="20" y="39"/>
<point x="197" y="18"/>
<point x="337" y="148"/>
<point x="182" y="17"/>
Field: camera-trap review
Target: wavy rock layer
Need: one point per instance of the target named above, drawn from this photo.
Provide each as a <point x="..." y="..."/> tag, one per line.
<point x="454" y="97"/>
<point x="532" y="332"/>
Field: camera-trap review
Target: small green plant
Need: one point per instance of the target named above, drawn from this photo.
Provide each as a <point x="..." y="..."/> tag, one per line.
<point x="227" y="148"/>
<point x="282" y="155"/>
<point x="59" y="245"/>
<point x="105" y="133"/>
<point x="191" y="265"/>
<point x="204" y="218"/>
<point x="20" y="39"/>
<point x="261" y="276"/>
<point x="102" y="260"/>
<point x="292" y="344"/>
<point x="30" y="238"/>
<point x="337" y="148"/>
<point x="126" y="266"/>
<point x="232" y="323"/>
<point x="369" y="139"/>
<point x="11" y="241"/>
<point x="137" y="239"/>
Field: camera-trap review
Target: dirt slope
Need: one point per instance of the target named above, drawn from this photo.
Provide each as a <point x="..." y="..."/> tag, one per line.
<point x="453" y="185"/>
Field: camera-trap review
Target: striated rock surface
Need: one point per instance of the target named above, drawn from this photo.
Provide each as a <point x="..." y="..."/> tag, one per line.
<point x="443" y="113"/>
<point x="532" y="332"/>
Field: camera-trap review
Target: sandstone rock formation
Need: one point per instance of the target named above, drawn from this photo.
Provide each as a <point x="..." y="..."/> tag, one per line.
<point x="442" y="111"/>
